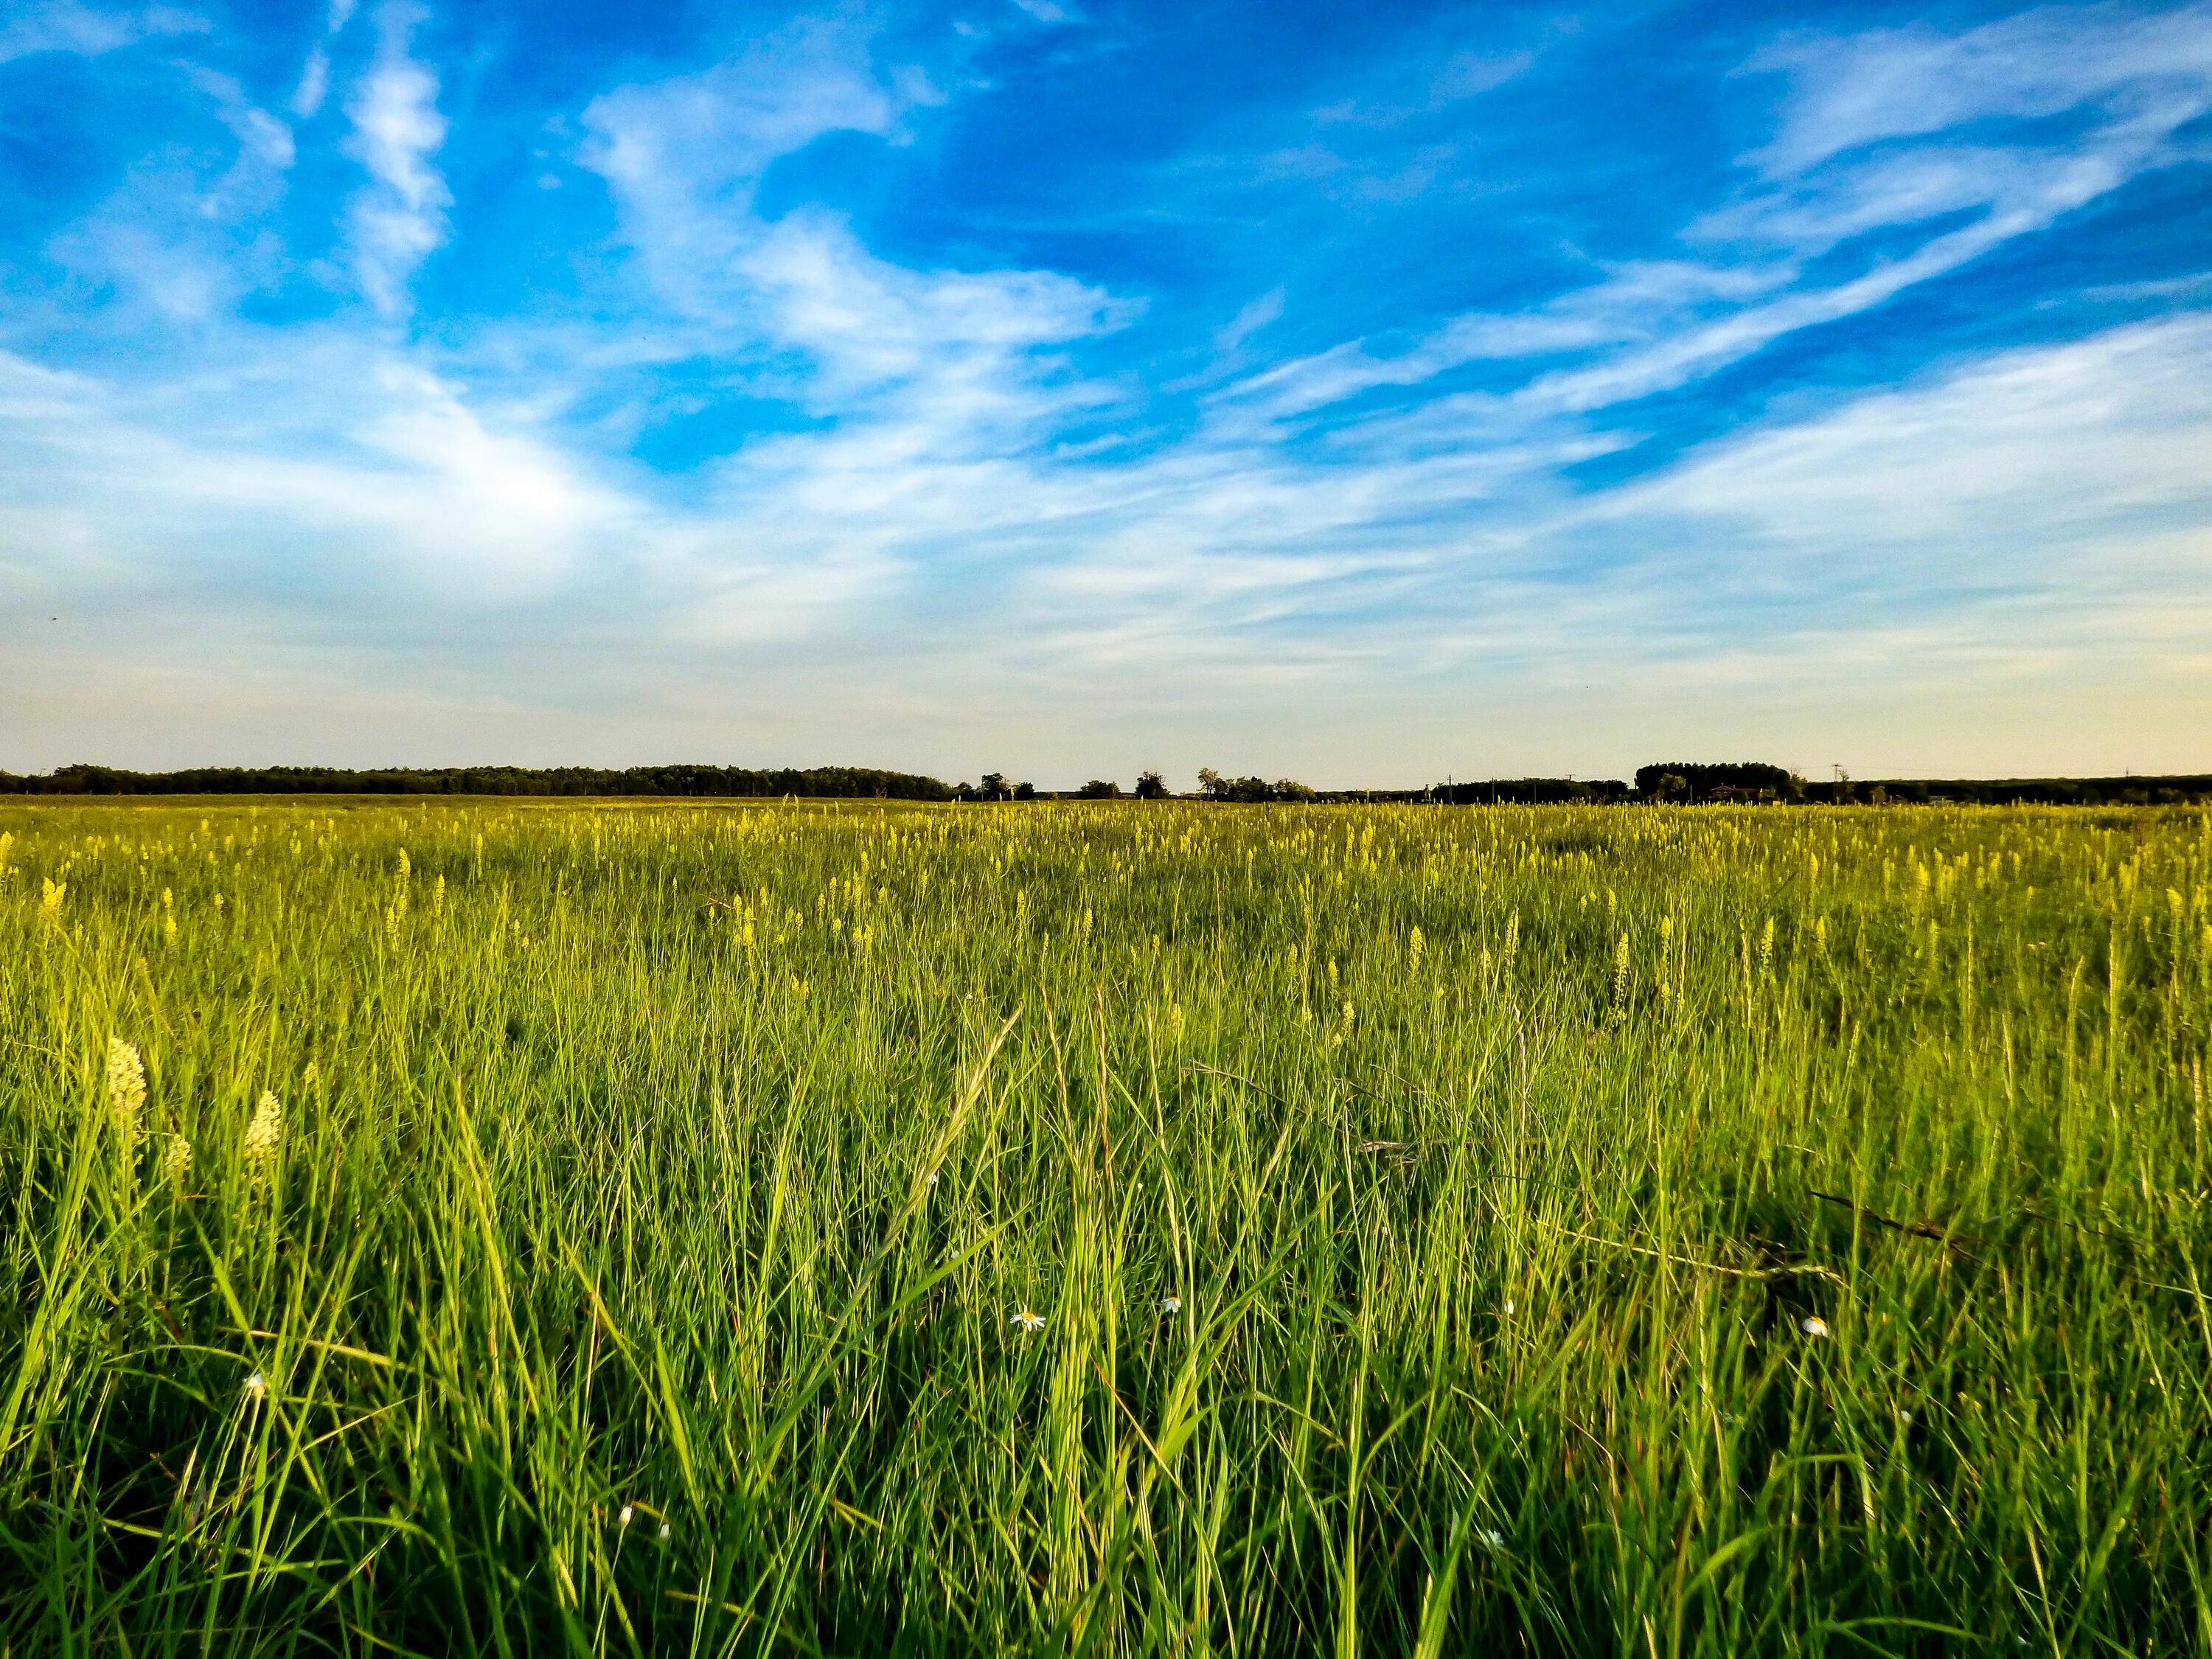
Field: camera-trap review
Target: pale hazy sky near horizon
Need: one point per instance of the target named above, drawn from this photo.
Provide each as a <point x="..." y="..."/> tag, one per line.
<point x="1062" y="387"/>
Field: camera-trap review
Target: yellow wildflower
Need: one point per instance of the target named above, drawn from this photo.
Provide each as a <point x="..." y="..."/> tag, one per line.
<point x="266" y="1132"/>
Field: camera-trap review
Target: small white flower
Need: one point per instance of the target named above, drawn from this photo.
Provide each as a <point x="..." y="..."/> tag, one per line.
<point x="1508" y="1305"/>
<point x="257" y="1386"/>
<point x="1492" y="1539"/>
<point x="1815" y="1326"/>
<point x="1172" y="1305"/>
<point x="624" y="1518"/>
<point x="664" y="1531"/>
<point x="1030" y="1321"/>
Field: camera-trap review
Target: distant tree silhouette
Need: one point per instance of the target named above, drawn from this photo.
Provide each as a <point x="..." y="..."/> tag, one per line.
<point x="1026" y="792"/>
<point x="1699" y="782"/>
<point x="1720" y="780"/>
<point x="1528" y="791"/>
<point x="1101" y="789"/>
<point x="1213" y="787"/>
<point x="691" y="781"/>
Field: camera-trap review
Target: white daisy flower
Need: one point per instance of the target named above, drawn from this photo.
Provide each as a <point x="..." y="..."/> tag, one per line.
<point x="1030" y="1321"/>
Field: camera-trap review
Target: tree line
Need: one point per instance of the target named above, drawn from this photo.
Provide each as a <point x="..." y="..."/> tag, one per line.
<point x="1683" y="782"/>
<point x="846" y="782"/>
<point x="1692" y="782"/>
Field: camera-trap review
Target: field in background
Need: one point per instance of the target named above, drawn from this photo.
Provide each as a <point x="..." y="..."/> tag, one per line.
<point x="1466" y="1230"/>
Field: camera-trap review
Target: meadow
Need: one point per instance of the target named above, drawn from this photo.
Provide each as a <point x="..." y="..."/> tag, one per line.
<point x="1124" y="1228"/>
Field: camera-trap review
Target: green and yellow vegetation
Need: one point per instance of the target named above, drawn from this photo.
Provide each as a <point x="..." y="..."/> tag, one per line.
<point x="1137" y="1228"/>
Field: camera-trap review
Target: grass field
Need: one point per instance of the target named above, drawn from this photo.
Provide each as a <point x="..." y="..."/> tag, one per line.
<point x="1472" y="1230"/>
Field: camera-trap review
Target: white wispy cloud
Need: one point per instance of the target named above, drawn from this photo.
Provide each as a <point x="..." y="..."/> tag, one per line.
<point x="684" y="155"/>
<point x="1852" y="90"/>
<point x="399" y="219"/>
<point x="1637" y="303"/>
<point x="314" y="84"/>
<point x="2036" y="468"/>
<point x="1867" y="141"/>
<point x="178" y="239"/>
<point x="343" y="465"/>
<point x="72" y="26"/>
<point x="1255" y="316"/>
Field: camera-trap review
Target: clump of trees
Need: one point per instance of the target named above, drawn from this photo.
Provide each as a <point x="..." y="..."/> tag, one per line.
<point x="1151" y="786"/>
<point x="1694" y="780"/>
<point x="1212" y="786"/>
<point x="995" y="787"/>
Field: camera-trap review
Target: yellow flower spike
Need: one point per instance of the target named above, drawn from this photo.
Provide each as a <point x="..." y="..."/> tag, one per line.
<point x="126" y="1091"/>
<point x="264" y="1133"/>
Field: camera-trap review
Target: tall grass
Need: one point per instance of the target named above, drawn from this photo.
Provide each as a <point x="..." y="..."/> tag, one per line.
<point x="1544" y="1230"/>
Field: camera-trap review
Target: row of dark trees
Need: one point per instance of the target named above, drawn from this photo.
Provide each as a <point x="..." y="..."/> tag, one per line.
<point x="846" y="782"/>
<point x="1687" y="782"/>
<point x="1678" y="780"/>
<point x="2175" y="790"/>
<point x="1530" y="792"/>
<point x="1212" y="786"/>
<point x="1151" y="786"/>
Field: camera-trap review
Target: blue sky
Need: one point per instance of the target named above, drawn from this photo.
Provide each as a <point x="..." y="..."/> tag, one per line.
<point x="1066" y="386"/>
